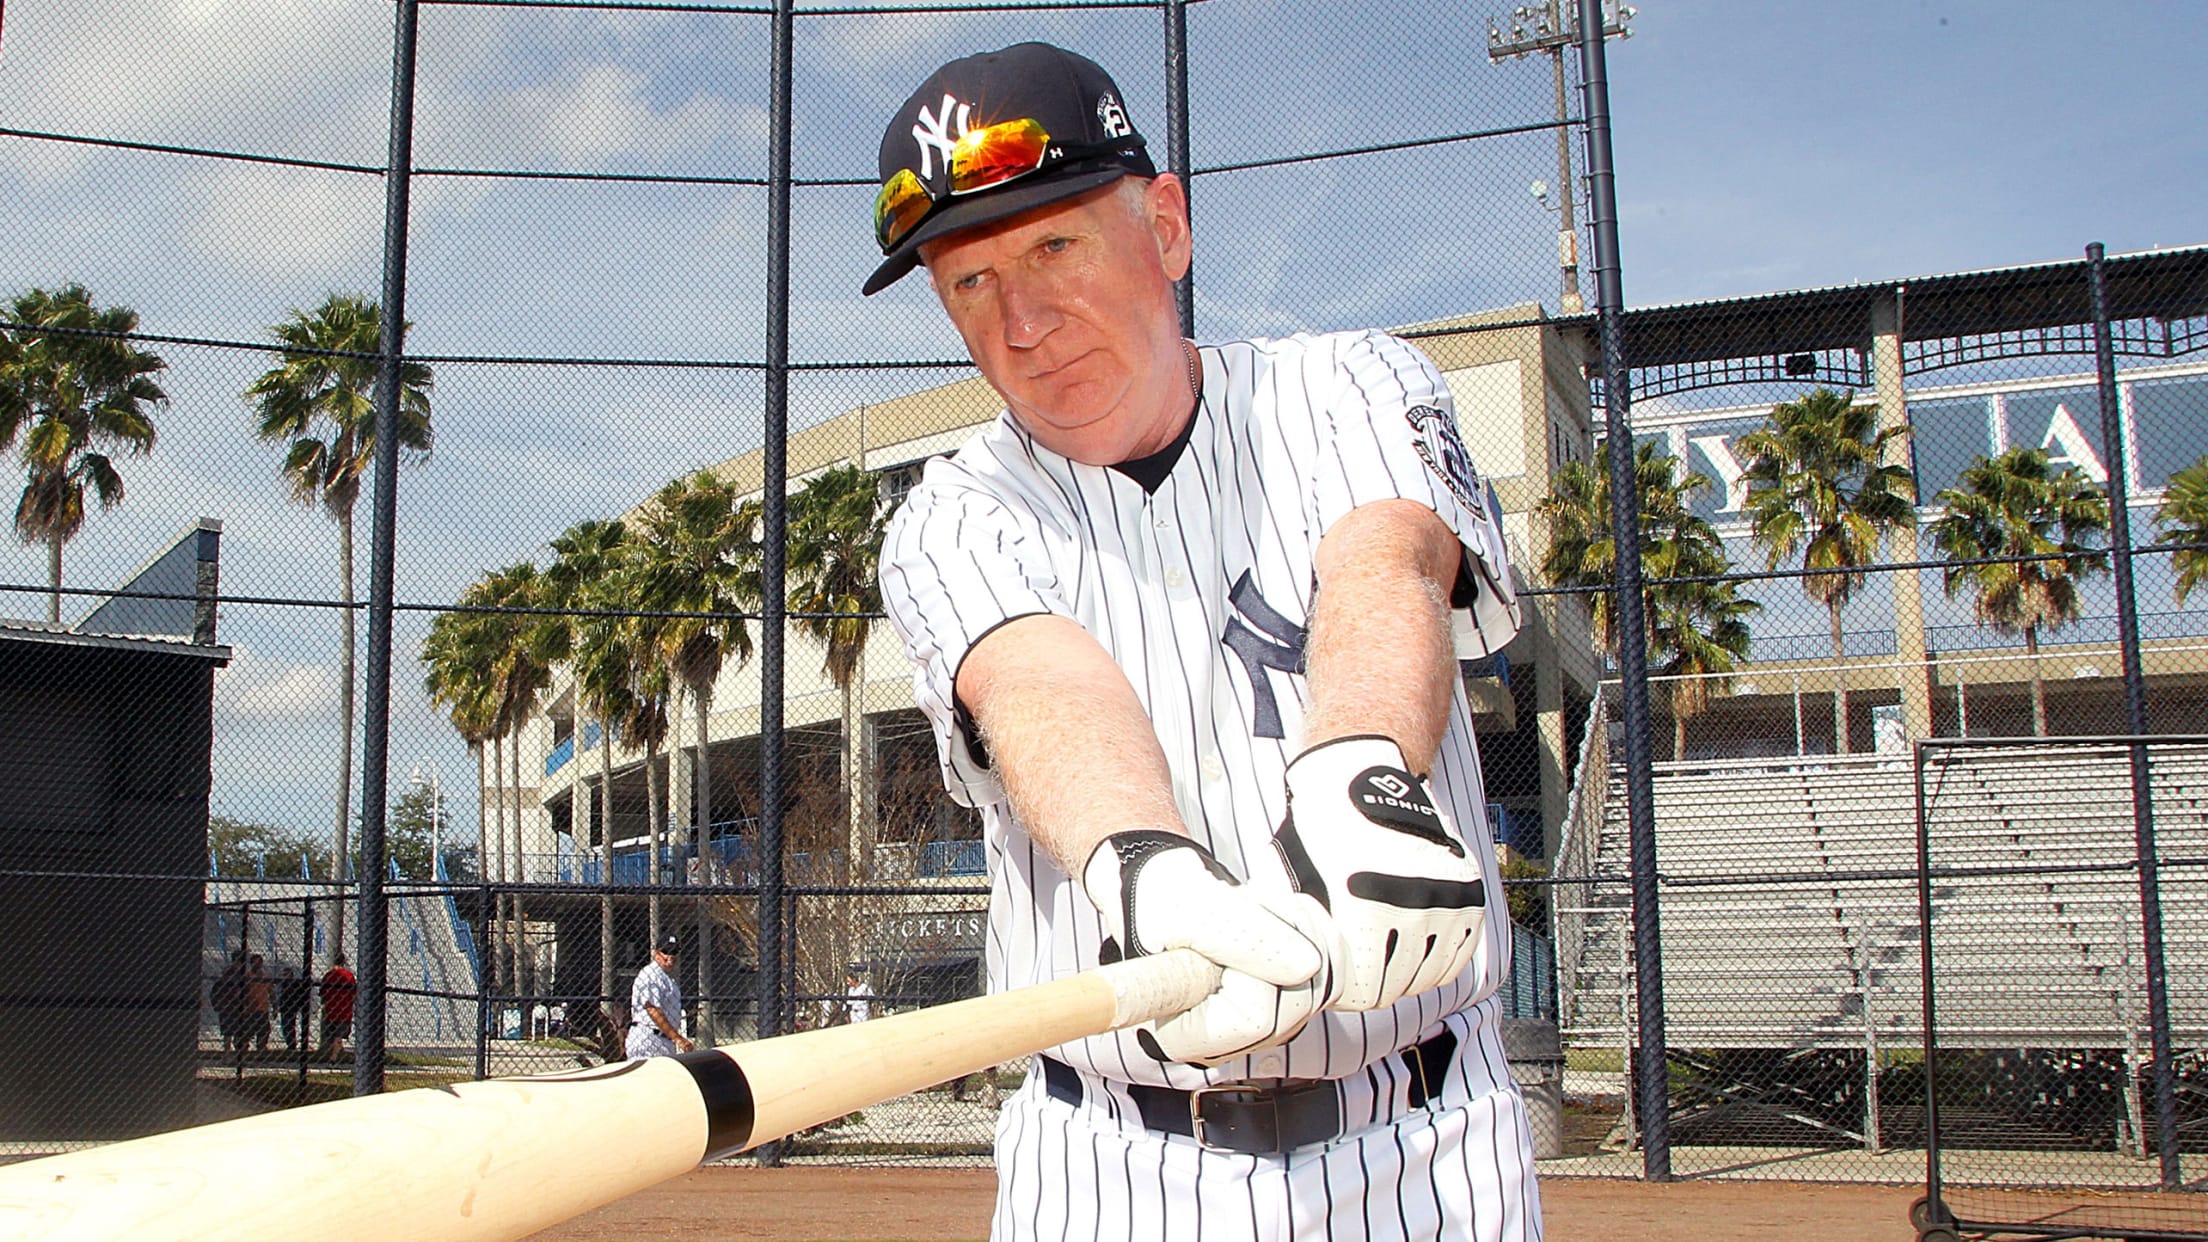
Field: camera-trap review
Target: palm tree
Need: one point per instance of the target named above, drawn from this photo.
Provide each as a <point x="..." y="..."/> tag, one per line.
<point x="630" y="643"/>
<point x="73" y="399"/>
<point x="319" y="401"/>
<point x="1697" y="631"/>
<point x="834" y="553"/>
<point x="519" y="674"/>
<point x="2184" y="518"/>
<point x="1701" y="631"/>
<point x="584" y="558"/>
<point x="459" y="653"/>
<point x="2017" y="505"/>
<point x="1819" y="486"/>
<point x="645" y="723"/>
<point x="700" y="557"/>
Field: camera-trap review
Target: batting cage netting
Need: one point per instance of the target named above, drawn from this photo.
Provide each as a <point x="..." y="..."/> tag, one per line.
<point x="372" y="700"/>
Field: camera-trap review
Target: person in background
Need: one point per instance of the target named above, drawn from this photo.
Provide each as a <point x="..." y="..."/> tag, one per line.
<point x="655" y="1005"/>
<point x="291" y="1006"/>
<point x="338" y="988"/>
<point x="259" y="1000"/>
<point x="858" y="998"/>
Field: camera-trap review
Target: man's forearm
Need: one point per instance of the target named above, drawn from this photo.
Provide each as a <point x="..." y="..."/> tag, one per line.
<point x="1379" y="658"/>
<point x="1067" y="736"/>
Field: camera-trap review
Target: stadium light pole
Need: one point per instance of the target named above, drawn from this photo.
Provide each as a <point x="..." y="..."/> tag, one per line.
<point x="1652" y="1094"/>
<point x="1549" y="28"/>
<point x="414" y="780"/>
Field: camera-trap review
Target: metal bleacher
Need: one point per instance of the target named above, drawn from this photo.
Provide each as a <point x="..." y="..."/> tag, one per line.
<point x="1789" y="903"/>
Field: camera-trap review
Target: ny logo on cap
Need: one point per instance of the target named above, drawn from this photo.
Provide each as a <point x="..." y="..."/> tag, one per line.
<point x="933" y="134"/>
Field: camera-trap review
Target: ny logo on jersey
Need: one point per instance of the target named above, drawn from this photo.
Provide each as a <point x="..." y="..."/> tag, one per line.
<point x="933" y="133"/>
<point x="1276" y="643"/>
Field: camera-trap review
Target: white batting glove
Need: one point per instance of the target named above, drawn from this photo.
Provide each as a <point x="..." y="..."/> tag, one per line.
<point x="1159" y="890"/>
<point x="1364" y="837"/>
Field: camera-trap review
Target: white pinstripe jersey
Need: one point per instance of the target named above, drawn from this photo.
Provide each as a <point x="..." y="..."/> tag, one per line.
<point x="1200" y="590"/>
<point x="657" y="989"/>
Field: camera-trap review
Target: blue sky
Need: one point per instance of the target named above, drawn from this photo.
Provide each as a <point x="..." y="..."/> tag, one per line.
<point x="1760" y="146"/>
<point x="1785" y="144"/>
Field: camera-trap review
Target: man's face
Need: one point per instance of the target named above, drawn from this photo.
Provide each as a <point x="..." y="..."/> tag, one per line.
<point x="1068" y="310"/>
<point x="665" y="959"/>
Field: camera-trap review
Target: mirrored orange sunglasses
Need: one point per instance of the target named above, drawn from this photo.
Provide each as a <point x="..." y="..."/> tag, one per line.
<point x="980" y="160"/>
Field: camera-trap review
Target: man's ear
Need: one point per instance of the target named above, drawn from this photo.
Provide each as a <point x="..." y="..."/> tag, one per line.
<point x="1167" y="202"/>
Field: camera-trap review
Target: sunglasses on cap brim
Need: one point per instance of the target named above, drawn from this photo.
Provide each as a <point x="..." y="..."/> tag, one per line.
<point x="981" y="159"/>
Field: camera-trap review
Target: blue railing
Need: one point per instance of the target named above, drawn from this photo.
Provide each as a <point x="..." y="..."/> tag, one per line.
<point x="954" y="858"/>
<point x="731" y="860"/>
<point x="634" y="866"/>
<point x="461" y="932"/>
<point x="566" y="750"/>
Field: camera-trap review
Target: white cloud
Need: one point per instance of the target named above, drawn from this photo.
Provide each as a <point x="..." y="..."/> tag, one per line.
<point x="275" y="222"/>
<point x="603" y="112"/>
<point x="256" y="73"/>
<point x="258" y="687"/>
<point x="859" y="46"/>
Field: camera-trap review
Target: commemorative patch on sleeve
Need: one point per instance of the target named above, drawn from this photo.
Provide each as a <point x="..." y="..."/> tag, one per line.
<point x="1443" y="451"/>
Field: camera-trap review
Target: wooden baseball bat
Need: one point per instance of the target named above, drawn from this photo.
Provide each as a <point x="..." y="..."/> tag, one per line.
<point x="506" y="1157"/>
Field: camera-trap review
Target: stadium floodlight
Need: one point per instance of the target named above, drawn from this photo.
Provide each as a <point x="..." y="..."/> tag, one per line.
<point x="1549" y="28"/>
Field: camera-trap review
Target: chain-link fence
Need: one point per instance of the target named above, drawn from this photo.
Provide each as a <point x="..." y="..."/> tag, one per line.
<point x="1918" y="529"/>
<point x="621" y="709"/>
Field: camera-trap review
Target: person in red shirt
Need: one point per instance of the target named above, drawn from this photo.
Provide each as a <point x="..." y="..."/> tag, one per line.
<point x="338" y="987"/>
<point x="258" y="993"/>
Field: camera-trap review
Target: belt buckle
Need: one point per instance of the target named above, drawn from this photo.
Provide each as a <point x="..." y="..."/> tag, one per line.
<point x="1196" y="1109"/>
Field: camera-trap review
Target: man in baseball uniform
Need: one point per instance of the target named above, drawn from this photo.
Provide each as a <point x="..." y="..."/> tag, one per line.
<point x="1186" y="621"/>
<point x="655" y="1005"/>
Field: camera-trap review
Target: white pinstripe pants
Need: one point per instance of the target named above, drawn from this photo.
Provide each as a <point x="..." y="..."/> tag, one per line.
<point x="1459" y="1169"/>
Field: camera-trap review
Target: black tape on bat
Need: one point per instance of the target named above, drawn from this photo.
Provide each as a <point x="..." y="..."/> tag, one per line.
<point x="728" y="1104"/>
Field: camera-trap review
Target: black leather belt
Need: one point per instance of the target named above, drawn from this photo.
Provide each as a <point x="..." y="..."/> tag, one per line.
<point x="1259" y="1121"/>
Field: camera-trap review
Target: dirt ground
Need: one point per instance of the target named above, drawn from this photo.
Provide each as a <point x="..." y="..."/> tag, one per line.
<point x="952" y="1205"/>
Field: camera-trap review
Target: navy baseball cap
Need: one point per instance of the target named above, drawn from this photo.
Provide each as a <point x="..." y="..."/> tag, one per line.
<point x="670" y="944"/>
<point x="1029" y="125"/>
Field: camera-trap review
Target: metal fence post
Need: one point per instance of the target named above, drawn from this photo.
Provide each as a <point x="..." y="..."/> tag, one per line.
<point x="1652" y="1088"/>
<point x="1926" y="989"/>
<point x="775" y="469"/>
<point x="306" y="986"/>
<point x="1176" y="141"/>
<point x="2135" y="721"/>
<point x="375" y="746"/>
<point x="485" y="954"/>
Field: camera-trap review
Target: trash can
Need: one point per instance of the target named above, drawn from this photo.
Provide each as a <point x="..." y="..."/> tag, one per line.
<point x="1535" y="1050"/>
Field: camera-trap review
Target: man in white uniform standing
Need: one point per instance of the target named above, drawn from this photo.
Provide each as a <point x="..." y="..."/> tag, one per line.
<point x="655" y="1005"/>
<point x="1186" y="621"/>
